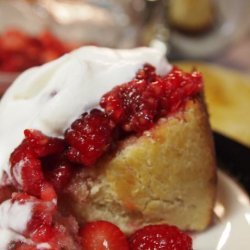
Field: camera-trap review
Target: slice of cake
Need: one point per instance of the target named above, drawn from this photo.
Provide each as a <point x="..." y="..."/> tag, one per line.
<point x="102" y="136"/>
<point x="167" y="175"/>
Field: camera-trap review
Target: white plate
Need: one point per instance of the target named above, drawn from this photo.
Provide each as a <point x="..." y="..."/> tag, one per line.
<point x="231" y="231"/>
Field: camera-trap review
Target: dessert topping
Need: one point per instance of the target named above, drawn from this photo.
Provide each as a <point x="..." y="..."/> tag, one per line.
<point x="26" y="166"/>
<point x="136" y="105"/>
<point x="58" y="171"/>
<point x="89" y="137"/>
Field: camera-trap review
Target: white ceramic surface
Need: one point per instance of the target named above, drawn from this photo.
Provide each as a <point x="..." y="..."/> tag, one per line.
<point x="231" y="230"/>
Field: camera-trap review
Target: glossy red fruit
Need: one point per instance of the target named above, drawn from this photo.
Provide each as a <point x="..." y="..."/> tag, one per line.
<point x="102" y="235"/>
<point x="131" y="105"/>
<point x="26" y="164"/>
<point x="58" y="171"/>
<point x="40" y="227"/>
<point x="43" y="145"/>
<point x="135" y="106"/>
<point x="160" y="237"/>
<point x="89" y="137"/>
<point x="47" y="192"/>
<point x="28" y="176"/>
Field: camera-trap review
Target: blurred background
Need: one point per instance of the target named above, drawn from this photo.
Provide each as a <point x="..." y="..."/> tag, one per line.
<point x="210" y="35"/>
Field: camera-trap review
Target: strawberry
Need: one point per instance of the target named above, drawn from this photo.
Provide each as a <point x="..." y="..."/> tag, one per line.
<point x="102" y="235"/>
<point x="162" y="237"/>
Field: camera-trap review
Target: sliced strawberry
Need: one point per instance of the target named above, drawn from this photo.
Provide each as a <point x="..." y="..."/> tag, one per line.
<point x="102" y="235"/>
<point x="157" y="237"/>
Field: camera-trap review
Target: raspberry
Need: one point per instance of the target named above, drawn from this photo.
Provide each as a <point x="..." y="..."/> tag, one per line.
<point x="102" y="235"/>
<point x="28" y="175"/>
<point x="131" y="104"/>
<point x="89" y="137"/>
<point x="26" y="167"/>
<point x="58" y="171"/>
<point x="156" y="237"/>
<point x="178" y="88"/>
<point x="43" y="145"/>
<point x="136" y="105"/>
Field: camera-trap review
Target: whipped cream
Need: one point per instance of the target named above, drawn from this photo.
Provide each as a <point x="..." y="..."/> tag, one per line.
<point x="14" y="218"/>
<point x="49" y="98"/>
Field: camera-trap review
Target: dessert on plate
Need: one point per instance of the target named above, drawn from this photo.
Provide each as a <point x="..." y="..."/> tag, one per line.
<point x="105" y="144"/>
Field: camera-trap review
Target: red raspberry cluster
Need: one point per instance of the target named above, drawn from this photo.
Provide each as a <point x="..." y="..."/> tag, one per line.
<point x="135" y="106"/>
